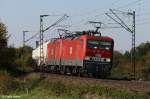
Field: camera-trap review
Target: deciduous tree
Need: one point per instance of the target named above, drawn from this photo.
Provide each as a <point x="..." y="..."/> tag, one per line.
<point x="3" y="35"/>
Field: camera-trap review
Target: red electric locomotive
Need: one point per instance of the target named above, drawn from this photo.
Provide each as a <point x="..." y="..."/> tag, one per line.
<point x="84" y="52"/>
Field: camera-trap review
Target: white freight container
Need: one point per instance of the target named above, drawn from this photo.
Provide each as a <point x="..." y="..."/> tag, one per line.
<point x="36" y="53"/>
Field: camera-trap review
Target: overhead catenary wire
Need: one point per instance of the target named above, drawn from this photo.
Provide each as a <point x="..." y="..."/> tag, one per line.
<point x="143" y="23"/>
<point x="143" y="19"/>
<point x="119" y="12"/>
<point x="143" y="14"/>
<point x="33" y="36"/>
<point x="115" y="2"/>
<point x="58" y="21"/>
<point x="61" y="19"/>
<point x="98" y="15"/>
<point x="133" y="3"/>
<point x="93" y="11"/>
<point x="82" y="18"/>
<point x="129" y="4"/>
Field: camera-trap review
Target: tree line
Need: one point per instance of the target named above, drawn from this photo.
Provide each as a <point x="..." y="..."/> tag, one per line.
<point x="122" y="67"/>
<point x="13" y="60"/>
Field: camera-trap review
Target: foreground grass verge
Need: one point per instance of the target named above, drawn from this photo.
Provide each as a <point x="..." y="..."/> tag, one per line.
<point x="35" y="87"/>
<point x="61" y="91"/>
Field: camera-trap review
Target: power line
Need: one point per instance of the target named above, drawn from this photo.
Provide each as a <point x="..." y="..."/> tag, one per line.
<point x="101" y="14"/>
<point x="97" y="9"/>
<point x="115" y="2"/>
<point x="143" y="19"/>
<point x="143" y="14"/>
<point x="142" y="23"/>
<point x="118" y="20"/>
<point x="58" y="21"/>
<point x="129" y="4"/>
<point x="33" y="36"/>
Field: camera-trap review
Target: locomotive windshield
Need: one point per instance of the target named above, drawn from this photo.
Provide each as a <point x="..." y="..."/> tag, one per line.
<point x="95" y="44"/>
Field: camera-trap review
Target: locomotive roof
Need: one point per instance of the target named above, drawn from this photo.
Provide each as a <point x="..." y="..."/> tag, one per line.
<point x="88" y="34"/>
<point x="100" y="37"/>
<point x="83" y="33"/>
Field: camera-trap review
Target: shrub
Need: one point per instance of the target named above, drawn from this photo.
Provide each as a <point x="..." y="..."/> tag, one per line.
<point x="7" y="83"/>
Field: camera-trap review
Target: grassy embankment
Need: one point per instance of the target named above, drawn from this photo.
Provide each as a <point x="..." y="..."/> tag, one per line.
<point x="35" y="87"/>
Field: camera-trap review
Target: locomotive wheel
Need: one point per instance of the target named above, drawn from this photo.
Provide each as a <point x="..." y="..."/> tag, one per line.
<point x="56" y="70"/>
<point x="74" y="71"/>
<point x="79" y="72"/>
<point x="62" y="69"/>
<point x="36" y="68"/>
<point x="68" y="70"/>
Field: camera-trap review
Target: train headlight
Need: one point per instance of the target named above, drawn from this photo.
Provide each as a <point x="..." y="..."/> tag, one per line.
<point x="108" y="60"/>
<point x="87" y="58"/>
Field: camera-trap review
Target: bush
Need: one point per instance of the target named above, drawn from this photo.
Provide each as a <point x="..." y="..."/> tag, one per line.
<point x="7" y="83"/>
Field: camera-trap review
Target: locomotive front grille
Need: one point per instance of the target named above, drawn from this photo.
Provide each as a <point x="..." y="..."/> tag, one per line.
<point x="96" y="66"/>
<point x="95" y="58"/>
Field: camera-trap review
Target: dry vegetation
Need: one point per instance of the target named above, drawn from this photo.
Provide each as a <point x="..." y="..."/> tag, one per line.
<point x="51" y="86"/>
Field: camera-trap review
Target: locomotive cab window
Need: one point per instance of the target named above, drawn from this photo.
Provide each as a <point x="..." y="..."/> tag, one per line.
<point x="95" y="44"/>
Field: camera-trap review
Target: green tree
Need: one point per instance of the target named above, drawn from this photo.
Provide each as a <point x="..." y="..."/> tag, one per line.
<point x="122" y="67"/>
<point x="117" y="58"/>
<point x="3" y="35"/>
<point x="143" y="49"/>
<point x="24" y="58"/>
<point x="7" y="54"/>
<point x="3" y="44"/>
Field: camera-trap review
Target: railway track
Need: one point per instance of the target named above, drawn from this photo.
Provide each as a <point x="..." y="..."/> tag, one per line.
<point x="132" y="86"/>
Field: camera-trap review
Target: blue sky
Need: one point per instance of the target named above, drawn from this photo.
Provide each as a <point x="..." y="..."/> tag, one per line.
<point x="21" y="15"/>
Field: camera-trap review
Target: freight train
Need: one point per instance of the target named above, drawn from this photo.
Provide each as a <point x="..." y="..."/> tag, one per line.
<point x="85" y="52"/>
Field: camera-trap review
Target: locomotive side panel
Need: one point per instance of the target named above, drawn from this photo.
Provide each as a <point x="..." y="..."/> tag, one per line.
<point x="67" y="53"/>
<point x="58" y="52"/>
<point x="51" y="54"/>
<point x="72" y="53"/>
<point x="55" y="52"/>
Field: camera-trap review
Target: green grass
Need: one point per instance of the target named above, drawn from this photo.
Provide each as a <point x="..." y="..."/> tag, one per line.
<point x="40" y="88"/>
<point x="59" y="90"/>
